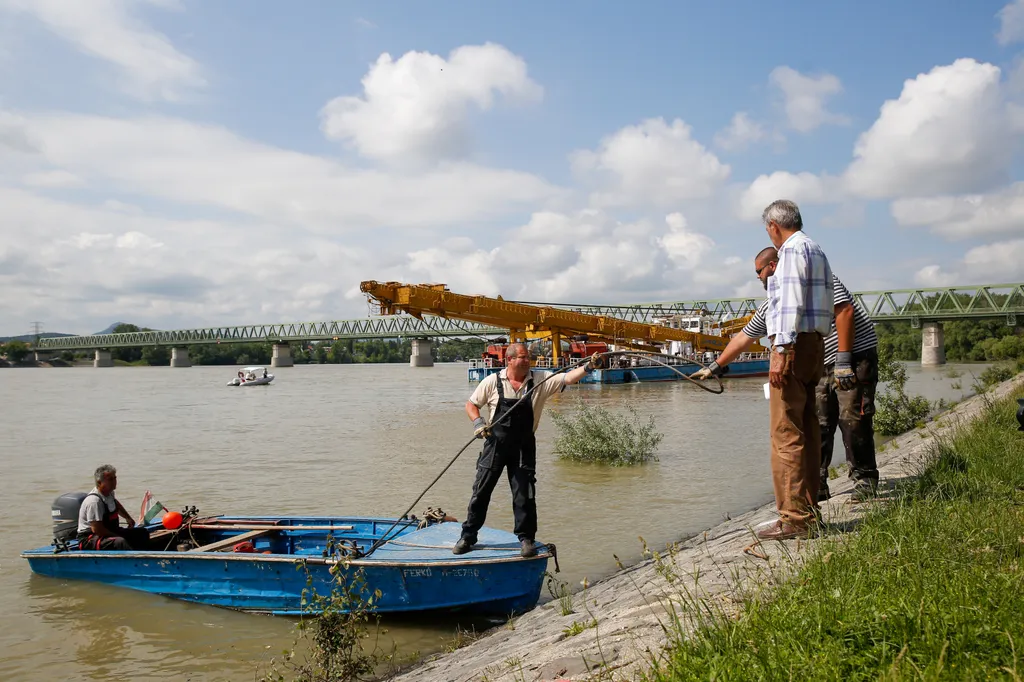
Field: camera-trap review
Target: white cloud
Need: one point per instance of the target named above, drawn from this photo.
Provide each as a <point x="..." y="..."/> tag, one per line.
<point x="997" y="262"/>
<point x="650" y="164"/>
<point x="52" y="178"/>
<point x="803" y="188"/>
<point x="417" y="107"/>
<point x="685" y="248"/>
<point x="741" y="132"/>
<point x="949" y="131"/>
<point x="962" y="216"/>
<point x="804" y="98"/>
<point x="151" y="67"/>
<point x="80" y="267"/>
<point x="934" y="276"/>
<point x="137" y="240"/>
<point x="201" y="165"/>
<point x="583" y="257"/>
<point x="1011" y="23"/>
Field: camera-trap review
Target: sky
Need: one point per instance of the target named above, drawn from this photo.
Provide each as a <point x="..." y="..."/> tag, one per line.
<point x="190" y="163"/>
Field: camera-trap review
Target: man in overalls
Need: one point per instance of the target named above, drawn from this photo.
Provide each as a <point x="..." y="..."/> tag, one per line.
<point x="511" y="443"/>
<point x="98" y="524"/>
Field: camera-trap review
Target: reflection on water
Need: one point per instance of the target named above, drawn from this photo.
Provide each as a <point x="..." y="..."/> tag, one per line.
<point x="357" y="440"/>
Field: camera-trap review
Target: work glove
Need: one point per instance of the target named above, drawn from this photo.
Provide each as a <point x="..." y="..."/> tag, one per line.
<point x="596" y="362"/>
<point x="482" y="430"/>
<point x="780" y="366"/>
<point x="844" y="375"/>
<point x="712" y="370"/>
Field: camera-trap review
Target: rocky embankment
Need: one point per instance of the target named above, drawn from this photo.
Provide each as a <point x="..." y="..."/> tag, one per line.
<point x="621" y="625"/>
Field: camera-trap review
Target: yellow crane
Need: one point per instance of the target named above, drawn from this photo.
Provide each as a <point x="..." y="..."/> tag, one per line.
<point x="526" y="321"/>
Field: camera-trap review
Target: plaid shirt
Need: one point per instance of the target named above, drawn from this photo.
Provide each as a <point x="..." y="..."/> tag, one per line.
<point x="800" y="291"/>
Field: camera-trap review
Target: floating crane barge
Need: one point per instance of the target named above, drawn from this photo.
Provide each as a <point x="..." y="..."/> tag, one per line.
<point x="567" y="335"/>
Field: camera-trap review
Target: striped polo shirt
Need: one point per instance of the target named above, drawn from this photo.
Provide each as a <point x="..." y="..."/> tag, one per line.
<point x="864" y="337"/>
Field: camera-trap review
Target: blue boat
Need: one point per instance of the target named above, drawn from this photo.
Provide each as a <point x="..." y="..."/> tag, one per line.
<point x="254" y="564"/>
<point x="748" y="365"/>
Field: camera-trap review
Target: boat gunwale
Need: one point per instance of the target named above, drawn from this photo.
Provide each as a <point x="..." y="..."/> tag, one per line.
<point x="272" y="558"/>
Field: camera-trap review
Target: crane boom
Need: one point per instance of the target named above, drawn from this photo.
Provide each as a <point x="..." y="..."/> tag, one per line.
<point x="521" y="318"/>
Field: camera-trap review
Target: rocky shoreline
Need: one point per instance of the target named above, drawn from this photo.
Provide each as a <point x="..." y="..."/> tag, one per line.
<point x="621" y="625"/>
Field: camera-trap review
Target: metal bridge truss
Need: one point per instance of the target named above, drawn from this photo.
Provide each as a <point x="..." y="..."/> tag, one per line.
<point x="994" y="301"/>
<point x="1004" y="301"/>
<point x="390" y="327"/>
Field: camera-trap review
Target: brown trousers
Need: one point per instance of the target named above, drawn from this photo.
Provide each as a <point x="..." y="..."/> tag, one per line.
<point x="796" y="434"/>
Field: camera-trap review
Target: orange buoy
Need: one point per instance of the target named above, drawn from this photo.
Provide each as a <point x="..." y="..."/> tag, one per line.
<point x="172" y="520"/>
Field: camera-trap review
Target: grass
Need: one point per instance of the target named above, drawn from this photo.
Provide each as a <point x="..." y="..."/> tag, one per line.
<point x="930" y="587"/>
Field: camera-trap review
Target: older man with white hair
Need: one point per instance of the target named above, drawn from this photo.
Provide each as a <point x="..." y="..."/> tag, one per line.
<point x="509" y="442"/>
<point x="799" y="317"/>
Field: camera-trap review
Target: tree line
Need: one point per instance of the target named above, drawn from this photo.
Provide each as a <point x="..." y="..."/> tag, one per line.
<point x="966" y="341"/>
<point x="342" y="352"/>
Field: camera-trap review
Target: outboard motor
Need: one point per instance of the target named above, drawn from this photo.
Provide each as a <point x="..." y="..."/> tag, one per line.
<point x="65" y="515"/>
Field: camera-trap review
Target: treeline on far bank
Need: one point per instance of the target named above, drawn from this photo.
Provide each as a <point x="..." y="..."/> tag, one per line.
<point x="965" y="340"/>
<point x="309" y="352"/>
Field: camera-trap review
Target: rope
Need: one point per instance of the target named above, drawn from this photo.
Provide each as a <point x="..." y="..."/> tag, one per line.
<point x="643" y="354"/>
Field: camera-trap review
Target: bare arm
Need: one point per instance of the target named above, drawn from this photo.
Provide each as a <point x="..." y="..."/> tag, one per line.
<point x="737" y="344"/>
<point x="575" y="375"/>
<point x="472" y="410"/>
<point x="124" y="513"/>
<point x="844" y="326"/>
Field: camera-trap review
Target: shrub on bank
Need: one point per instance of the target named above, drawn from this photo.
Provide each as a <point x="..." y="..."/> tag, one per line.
<point x="593" y="434"/>
<point x="999" y="372"/>
<point x="929" y="587"/>
<point x="895" y="411"/>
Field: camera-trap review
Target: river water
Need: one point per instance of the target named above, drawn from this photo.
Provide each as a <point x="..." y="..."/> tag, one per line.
<point x="330" y="439"/>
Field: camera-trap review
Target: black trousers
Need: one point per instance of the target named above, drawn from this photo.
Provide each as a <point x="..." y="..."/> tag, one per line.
<point x="520" y="461"/>
<point x="853" y="412"/>
<point x="127" y="538"/>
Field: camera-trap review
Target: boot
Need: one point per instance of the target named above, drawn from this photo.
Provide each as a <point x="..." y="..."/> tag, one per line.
<point x="529" y="547"/>
<point x="463" y="545"/>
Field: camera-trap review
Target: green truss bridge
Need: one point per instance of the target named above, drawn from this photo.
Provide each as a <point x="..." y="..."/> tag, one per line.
<point x="926" y="307"/>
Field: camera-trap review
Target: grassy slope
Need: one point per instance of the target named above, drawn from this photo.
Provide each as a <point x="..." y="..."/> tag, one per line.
<point x="930" y="587"/>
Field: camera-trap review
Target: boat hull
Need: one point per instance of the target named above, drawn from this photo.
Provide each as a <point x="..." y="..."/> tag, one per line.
<point x="626" y="375"/>
<point x="419" y="573"/>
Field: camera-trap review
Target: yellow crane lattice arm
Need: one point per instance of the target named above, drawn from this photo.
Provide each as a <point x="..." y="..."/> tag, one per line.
<point x="435" y="299"/>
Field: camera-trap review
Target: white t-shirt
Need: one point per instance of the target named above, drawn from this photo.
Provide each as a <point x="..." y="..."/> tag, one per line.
<point x="95" y="509"/>
<point x="486" y="392"/>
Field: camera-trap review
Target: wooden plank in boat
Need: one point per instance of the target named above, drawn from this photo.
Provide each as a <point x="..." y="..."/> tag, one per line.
<point x="231" y="541"/>
<point x="232" y="526"/>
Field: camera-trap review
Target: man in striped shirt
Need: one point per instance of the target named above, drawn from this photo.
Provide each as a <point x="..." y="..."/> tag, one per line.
<point x="798" y="316"/>
<point x="846" y="393"/>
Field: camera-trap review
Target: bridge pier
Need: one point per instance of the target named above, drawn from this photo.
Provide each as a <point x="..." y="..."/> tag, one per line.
<point x="179" y="357"/>
<point x="282" y="356"/>
<point x="103" y="359"/>
<point x="933" y="344"/>
<point x="43" y="356"/>
<point x="421" y="356"/>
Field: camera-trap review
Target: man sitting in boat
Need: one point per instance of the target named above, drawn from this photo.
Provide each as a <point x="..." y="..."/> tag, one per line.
<point x="98" y="524"/>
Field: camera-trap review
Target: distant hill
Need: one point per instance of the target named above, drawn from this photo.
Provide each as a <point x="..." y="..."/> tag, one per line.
<point x="29" y="338"/>
<point x="110" y="329"/>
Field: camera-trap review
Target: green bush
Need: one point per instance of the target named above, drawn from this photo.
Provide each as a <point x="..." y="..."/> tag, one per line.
<point x="998" y="373"/>
<point x="895" y="411"/>
<point x="593" y="434"/>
